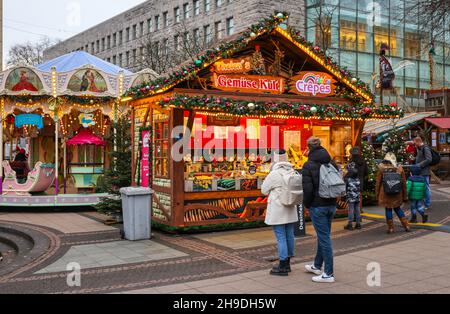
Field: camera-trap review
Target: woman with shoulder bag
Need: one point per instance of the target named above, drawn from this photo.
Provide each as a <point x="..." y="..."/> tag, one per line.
<point x="390" y="190"/>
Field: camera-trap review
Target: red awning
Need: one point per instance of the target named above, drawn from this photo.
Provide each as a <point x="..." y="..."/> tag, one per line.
<point x="86" y="137"/>
<point x="442" y="123"/>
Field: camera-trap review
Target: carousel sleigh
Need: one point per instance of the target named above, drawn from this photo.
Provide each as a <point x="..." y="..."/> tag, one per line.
<point x="39" y="180"/>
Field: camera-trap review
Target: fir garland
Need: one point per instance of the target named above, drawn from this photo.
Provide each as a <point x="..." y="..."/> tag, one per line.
<point x="226" y="50"/>
<point x="249" y="108"/>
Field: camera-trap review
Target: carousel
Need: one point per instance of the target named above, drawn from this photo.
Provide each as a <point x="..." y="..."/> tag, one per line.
<point x="56" y="119"/>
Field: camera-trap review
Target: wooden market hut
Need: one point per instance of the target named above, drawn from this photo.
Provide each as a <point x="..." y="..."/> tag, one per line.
<point x="266" y="78"/>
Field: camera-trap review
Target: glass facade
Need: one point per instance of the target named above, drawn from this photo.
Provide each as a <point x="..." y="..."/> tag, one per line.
<point x="351" y="31"/>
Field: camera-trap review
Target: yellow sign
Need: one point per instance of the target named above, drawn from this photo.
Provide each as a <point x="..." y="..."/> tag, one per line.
<point x="225" y="66"/>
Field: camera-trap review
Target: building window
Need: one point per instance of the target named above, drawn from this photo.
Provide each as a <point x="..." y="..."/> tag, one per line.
<point x="165" y="19"/>
<point x="114" y="43"/>
<point x="114" y="60"/>
<point x="128" y="34"/>
<point x="207" y="34"/>
<point x="157" y="25"/>
<point x="141" y="53"/>
<point x="149" y="26"/>
<point x="176" y="42"/>
<point x="127" y="59"/>
<point x="92" y="48"/>
<point x="218" y="3"/>
<point x="196" y="37"/>
<point x="186" y="39"/>
<point x="176" y="14"/>
<point x="108" y="60"/>
<point x="323" y="32"/>
<point x="412" y="45"/>
<point x="120" y="37"/>
<point x="230" y="26"/>
<point x="134" y="32"/>
<point x="98" y="46"/>
<point x="103" y="44"/>
<point x="108" y="42"/>
<point x="186" y="11"/>
<point x="218" y="30"/>
<point x="196" y="7"/>
<point x="141" y="29"/>
<point x="156" y="48"/>
<point x="86" y="48"/>
<point x="120" y="59"/>
<point x="347" y="35"/>
<point x="134" y="56"/>
<point x="207" y="5"/>
<point x="165" y="46"/>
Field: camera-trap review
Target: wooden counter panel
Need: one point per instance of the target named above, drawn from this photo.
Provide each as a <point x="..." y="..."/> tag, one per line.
<point x="192" y="196"/>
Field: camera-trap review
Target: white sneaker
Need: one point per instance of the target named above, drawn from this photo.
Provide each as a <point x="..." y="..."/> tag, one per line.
<point x="312" y="269"/>
<point x="324" y="278"/>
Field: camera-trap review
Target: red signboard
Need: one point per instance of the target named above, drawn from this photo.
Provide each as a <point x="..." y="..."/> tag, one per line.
<point x="249" y="83"/>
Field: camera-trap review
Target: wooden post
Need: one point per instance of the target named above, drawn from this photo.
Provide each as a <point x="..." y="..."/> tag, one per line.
<point x="177" y="168"/>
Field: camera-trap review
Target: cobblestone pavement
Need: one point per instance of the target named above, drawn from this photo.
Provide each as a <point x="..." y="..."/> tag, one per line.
<point x="220" y="262"/>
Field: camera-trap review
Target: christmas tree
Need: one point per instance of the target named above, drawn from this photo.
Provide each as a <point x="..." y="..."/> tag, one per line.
<point x="396" y="144"/>
<point x="368" y="154"/>
<point x="119" y="173"/>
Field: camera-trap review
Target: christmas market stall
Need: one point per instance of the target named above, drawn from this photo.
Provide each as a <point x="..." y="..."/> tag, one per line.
<point x="44" y="109"/>
<point x="204" y="134"/>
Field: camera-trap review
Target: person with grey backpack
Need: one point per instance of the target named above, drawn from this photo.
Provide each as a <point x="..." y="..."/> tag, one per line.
<point x="284" y="187"/>
<point x="322" y="185"/>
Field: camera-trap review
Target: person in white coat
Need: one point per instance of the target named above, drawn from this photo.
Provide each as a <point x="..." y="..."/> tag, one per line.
<point x="281" y="217"/>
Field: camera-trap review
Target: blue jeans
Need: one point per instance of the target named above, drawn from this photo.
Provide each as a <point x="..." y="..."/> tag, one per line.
<point x="354" y="211"/>
<point x="286" y="240"/>
<point x="417" y="206"/>
<point x="322" y="218"/>
<point x="428" y="193"/>
<point x="398" y="211"/>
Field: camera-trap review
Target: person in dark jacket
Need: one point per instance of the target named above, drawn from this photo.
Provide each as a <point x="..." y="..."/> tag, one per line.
<point x="353" y="187"/>
<point x="321" y="210"/>
<point x="416" y="187"/>
<point x="357" y="161"/>
<point x="423" y="159"/>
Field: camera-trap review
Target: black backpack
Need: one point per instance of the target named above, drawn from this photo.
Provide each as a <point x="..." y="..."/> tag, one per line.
<point x="435" y="157"/>
<point x="392" y="182"/>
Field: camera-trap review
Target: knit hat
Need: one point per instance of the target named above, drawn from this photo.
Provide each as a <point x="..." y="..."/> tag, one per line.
<point x="280" y="155"/>
<point x="391" y="157"/>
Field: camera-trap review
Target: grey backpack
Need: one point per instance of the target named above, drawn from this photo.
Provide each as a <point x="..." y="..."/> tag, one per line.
<point x="291" y="189"/>
<point x="331" y="183"/>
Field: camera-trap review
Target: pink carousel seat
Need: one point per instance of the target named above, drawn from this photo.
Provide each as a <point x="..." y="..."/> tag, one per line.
<point x="39" y="180"/>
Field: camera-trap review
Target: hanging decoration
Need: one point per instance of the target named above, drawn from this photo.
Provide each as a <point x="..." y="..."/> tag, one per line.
<point x="292" y="109"/>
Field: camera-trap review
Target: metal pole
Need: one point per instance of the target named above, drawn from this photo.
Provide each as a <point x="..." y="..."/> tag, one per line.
<point x="56" y="150"/>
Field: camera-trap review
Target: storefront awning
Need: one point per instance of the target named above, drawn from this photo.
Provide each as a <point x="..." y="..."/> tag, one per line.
<point x="86" y="137"/>
<point x="442" y="123"/>
<point x="383" y="126"/>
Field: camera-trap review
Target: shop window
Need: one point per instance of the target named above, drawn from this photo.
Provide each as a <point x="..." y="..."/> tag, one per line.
<point x="161" y="146"/>
<point x="412" y="45"/>
<point x="323" y="32"/>
<point x="347" y="35"/>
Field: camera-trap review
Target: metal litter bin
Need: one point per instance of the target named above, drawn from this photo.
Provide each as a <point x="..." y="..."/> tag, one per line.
<point x="137" y="213"/>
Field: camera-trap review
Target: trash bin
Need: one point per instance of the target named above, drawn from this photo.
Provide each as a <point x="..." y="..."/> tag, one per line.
<point x="136" y="204"/>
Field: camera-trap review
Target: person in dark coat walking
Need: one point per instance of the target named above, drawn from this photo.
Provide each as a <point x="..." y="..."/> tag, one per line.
<point x="424" y="158"/>
<point x="321" y="210"/>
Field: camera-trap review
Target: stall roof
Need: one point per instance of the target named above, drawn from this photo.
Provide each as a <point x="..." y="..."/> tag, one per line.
<point x="381" y="126"/>
<point x="443" y="123"/>
<point x="78" y="59"/>
<point x="86" y="137"/>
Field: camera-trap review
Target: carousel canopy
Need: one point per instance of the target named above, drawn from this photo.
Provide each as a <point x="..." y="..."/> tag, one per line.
<point x="86" y="137"/>
<point x="80" y="59"/>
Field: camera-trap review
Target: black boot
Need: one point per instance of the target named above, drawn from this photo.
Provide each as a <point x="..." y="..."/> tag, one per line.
<point x="358" y="226"/>
<point x="288" y="265"/>
<point x="413" y="219"/>
<point x="280" y="270"/>
<point x="349" y="226"/>
<point x="424" y="218"/>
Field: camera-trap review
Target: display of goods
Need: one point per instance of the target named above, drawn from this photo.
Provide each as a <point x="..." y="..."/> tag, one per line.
<point x="202" y="183"/>
<point x="226" y="184"/>
<point x="249" y="184"/>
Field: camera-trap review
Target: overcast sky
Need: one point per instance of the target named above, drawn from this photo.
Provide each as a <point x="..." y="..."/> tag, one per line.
<point x="30" y="20"/>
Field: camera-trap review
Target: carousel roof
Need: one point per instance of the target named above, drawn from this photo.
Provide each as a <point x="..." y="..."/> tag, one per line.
<point x="79" y="59"/>
<point x="86" y="137"/>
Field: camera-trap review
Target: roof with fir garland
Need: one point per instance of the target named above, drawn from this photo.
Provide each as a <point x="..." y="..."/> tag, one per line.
<point x="230" y="46"/>
<point x="270" y="35"/>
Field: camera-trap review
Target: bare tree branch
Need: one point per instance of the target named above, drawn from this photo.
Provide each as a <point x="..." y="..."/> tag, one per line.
<point x="29" y="53"/>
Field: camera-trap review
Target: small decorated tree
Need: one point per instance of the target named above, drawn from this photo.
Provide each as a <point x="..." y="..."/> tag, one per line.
<point x="369" y="156"/>
<point x="396" y="143"/>
<point x="119" y="173"/>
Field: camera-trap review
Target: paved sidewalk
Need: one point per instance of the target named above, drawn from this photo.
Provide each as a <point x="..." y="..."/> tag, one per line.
<point x="419" y="265"/>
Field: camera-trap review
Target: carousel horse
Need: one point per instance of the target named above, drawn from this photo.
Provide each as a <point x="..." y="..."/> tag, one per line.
<point x="39" y="180"/>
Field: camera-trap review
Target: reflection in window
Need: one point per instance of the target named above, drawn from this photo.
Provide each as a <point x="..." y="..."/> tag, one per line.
<point x="412" y="45"/>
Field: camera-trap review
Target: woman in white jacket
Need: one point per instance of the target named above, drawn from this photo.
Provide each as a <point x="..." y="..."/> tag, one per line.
<point x="281" y="217"/>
